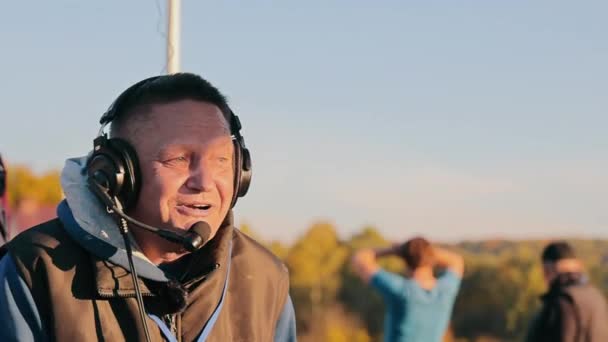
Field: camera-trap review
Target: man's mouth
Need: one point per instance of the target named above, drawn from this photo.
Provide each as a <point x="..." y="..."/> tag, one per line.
<point x="199" y="206"/>
<point x="194" y="209"/>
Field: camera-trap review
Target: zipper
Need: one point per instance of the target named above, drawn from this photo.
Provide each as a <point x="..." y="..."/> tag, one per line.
<point x="204" y="276"/>
<point x="122" y="294"/>
<point x="179" y="327"/>
<point x="170" y="320"/>
<point x="174" y="323"/>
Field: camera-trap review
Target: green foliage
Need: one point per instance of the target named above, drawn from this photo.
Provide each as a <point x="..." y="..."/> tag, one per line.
<point x="314" y="264"/>
<point x="317" y="258"/>
<point x="278" y="249"/>
<point x="354" y="294"/>
<point x="498" y="298"/>
<point x="23" y="184"/>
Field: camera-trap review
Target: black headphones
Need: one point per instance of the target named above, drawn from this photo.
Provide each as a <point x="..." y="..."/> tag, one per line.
<point x="114" y="166"/>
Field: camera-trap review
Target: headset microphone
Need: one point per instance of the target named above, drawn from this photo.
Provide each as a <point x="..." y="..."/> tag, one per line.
<point x="192" y="239"/>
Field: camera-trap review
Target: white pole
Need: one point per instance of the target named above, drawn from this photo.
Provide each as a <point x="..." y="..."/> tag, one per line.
<point x="173" y="37"/>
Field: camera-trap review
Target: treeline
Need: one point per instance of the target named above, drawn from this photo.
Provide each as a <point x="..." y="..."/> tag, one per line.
<point x="499" y="294"/>
<point x="24" y="184"/>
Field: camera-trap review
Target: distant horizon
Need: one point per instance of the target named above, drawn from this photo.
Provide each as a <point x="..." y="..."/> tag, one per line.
<point x="342" y="237"/>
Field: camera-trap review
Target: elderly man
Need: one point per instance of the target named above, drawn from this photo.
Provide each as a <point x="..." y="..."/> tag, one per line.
<point x="144" y="246"/>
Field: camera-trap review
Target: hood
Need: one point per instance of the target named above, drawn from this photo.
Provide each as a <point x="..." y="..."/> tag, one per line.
<point x="88" y="223"/>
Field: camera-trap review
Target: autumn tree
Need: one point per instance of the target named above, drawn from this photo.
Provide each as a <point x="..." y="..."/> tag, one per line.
<point x="23" y="184"/>
<point x="315" y="262"/>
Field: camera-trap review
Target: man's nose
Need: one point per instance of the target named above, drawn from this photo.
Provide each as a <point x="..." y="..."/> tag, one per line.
<point x="201" y="178"/>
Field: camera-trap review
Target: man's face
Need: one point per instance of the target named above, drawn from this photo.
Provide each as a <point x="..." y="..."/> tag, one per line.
<point x="186" y="157"/>
<point x="552" y="270"/>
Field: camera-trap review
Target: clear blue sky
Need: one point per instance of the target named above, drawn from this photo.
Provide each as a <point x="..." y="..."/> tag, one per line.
<point x="455" y="119"/>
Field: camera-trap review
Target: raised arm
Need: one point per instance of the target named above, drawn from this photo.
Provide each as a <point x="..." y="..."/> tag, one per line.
<point x="449" y="260"/>
<point x="364" y="261"/>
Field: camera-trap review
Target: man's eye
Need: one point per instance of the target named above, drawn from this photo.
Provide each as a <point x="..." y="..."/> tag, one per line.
<point x="224" y="162"/>
<point x="176" y="160"/>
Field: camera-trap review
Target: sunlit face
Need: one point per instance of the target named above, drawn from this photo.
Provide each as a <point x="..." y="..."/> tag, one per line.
<point x="551" y="270"/>
<point x="186" y="155"/>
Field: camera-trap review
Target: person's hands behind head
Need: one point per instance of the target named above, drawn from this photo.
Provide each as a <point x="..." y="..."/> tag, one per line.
<point x="449" y="260"/>
<point x="364" y="263"/>
<point x="393" y="249"/>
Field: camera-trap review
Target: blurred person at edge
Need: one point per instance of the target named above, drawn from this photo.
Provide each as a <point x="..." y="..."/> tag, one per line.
<point x="418" y="304"/>
<point x="572" y="309"/>
<point x="183" y="163"/>
<point x="3" y="206"/>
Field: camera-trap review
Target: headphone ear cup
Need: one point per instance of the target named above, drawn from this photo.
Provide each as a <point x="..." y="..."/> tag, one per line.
<point x="129" y="192"/>
<point x="242" y="171"/>
<point x="113" y="165"/>
<point x="246" y="172"/>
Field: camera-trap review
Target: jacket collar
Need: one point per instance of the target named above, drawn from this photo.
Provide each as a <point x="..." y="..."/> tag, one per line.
<point x="563" y="281"/>
<point x="113" y="280"/>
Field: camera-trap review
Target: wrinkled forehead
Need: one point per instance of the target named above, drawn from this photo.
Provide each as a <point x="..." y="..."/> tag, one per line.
<point x="159" y="111"/>
<point x="187" y="112"/>
<point x="183" y="114"/>
<point x="188" y="120"/>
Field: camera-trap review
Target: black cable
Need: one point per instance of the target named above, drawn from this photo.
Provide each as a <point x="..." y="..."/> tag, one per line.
<point x="162" y="34"/>
<point x="140" y="302"/>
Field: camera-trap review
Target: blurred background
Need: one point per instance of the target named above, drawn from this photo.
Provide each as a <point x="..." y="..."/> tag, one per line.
<point x="480" y="125"/>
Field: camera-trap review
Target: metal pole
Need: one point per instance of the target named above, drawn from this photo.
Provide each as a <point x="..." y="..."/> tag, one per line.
<point x="173" y="36"/>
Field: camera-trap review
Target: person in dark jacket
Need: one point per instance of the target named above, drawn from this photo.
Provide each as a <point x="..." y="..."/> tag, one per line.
<point x="572" y="309"/>
<point x="174" y="161"/>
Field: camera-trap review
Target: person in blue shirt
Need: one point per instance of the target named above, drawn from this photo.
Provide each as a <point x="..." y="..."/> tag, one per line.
<point x="418" y="304"/>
